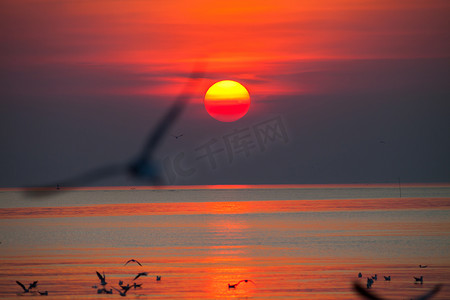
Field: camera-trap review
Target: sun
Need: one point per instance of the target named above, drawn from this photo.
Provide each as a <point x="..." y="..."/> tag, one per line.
<point x="227" y="101"/>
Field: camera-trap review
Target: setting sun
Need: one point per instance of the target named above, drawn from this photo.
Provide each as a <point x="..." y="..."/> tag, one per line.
<point x="227" y="101"/>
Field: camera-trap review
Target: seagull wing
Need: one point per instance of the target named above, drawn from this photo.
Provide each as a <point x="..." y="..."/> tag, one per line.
<point x="80" y="180"/>
<point x="365" y="293"/>
<point x="430" y="293"/>
<point x="137" y="276"/>
<point x="19" y="283"/>
<point x="102" y="278"/>
<point x="170" y="117"/>
<point x="138" y="263"/>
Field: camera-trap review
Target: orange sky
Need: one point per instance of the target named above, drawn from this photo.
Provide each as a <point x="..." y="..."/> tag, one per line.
<point x="252" y="41"/>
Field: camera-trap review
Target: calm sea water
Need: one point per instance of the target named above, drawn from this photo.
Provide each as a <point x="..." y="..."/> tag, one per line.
<point x="293" y="242"/>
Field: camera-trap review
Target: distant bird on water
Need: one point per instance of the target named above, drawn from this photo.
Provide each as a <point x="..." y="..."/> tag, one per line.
<point x="367" y="294"/>
<point x="158" y="278"/>
<point x="375" y="277"/>
<point x="135" y="285"/>
<point x="387" y="278"/>
<point x="420" y="266"/>
<point x="43" y="293"/>
<point x="142" y="166"/>
<point x="359" y="275"/>
<point x="418" y="279"/>
<point x="140" y="274"/>
<point x="233" y="286"/>
<point x="132" y="260"/>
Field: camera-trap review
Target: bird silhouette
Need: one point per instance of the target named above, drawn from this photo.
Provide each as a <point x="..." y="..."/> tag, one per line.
<point x="122" y="293"/>
<point x="102" y="278"/>
<point x="420" y="266"/>
<point x="177" y="136"/>
<point x="43" y="293"/>
<point x="359" y="275"/>
<point x="140" y="274"/>
<point x="25" y="290"/>
<point x="387" y="278"/>
<point x="233" y="286"/>
<point x="418" y="279"/>
<point x="142" y="166"/>
<point x="367" y="294"/>
<point x="132" y="260"/>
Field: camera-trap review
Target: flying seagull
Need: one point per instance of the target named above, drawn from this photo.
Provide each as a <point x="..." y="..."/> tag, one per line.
<point x="102" y="278"/>
<point x="140" y="274"/>
<point x="142" y="166"/>
<point x="25" y="290"/>
<point x="233" y="286"/>
<point x="123" y="294"/>
<point x="367" y="294"/>
<point x="132" y="260"/>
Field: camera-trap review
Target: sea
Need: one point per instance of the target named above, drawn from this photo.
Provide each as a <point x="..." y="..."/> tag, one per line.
<point x="273" y="241"/>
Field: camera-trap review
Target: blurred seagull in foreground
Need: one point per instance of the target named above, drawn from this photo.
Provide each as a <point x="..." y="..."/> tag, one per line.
<point x="233" y="286"/>
<point x="367" y="294"/>
<point x="132" y="260"/>
<point x="143" y="165"/>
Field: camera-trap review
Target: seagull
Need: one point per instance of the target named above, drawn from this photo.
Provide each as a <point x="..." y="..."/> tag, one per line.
<point x="367" y="294"/>
<point x="135" y="285"/>
<point x="123" y="294"/>
<point x="43" y="293"/>
<point x="102" y="278"/>
<point x="25" y="290"/>
<point x="132" y="260"/>
<point x="419" y="279"/>
<point x="177" y="136"/>
<point x="142" y="166"/>
<point x="33" y="285"/>
<point x="359" y="275"/>
<point x="369" y="282"/>
<point x="125" y="287"/>
<point x="140" y="274"/>
<point x="233" y="286"/>
<point x="158" y="278"/>
<point x="375" y="277"/>
<point x="387" y="278"/>
<point x="420" y="266"/>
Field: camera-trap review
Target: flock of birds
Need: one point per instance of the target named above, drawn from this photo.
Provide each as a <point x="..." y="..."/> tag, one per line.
<point x="31" y="288"/>
<point x="365" y="293"/>
<point x="123" y="288"/>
